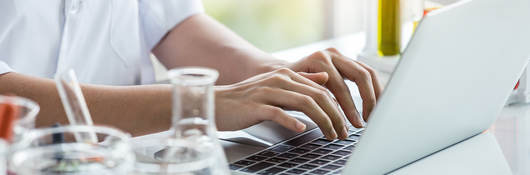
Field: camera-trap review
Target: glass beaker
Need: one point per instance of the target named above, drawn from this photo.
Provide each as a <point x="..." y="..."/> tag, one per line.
<point x="192" y="147"/>
<point x="24" y="112"/>
<point x="56" y="151"/>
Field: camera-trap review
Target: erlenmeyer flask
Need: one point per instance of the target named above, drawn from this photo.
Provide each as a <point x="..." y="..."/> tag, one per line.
<point x="194" y="148"/>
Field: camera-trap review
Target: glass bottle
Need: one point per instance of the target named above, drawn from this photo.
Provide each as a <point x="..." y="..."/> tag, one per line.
<point x="389" y="28"/>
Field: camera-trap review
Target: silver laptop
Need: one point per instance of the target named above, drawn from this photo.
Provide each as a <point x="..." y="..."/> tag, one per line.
<point x="451" y="83"/>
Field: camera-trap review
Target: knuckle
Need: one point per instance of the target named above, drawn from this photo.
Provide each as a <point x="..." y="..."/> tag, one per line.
<point x="332" y="49"/>
<point x="370" y="70"/>
<point x="305" y="101"/>
<point x="320" y="56"/>
<point x="278" y="78"/>
<point x="320" y="95"/>
<point x="364" y="75"/>
<point x="285" y="71"/>
<point x="275" y="112"/>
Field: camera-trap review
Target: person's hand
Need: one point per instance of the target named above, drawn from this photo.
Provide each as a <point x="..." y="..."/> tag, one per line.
<point x="265" y="96"/>
<point x="338" y="68"/>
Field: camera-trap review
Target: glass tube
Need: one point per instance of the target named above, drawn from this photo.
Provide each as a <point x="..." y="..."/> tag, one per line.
<point x="74" y="103"/>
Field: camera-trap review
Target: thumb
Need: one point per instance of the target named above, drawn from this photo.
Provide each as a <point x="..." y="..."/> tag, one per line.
<point x="320" y="78"/>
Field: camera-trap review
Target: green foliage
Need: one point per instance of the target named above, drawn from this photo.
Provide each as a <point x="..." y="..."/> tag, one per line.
<point x="271" y="25"/>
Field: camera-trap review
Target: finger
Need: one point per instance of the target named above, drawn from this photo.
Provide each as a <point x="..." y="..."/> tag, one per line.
<point x="326" y="102"/>
<point x="358" y="74"/>
<point x="320" y="78"/>
<point x="321" y="96"/>
<point x="378" y="88"/>
<point x="300" y="102"/>
<point x="338" y="87"/>
<point x="279" y="116"/>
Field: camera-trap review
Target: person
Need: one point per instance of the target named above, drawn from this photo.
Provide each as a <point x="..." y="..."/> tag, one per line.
<point x="108" y="44"/>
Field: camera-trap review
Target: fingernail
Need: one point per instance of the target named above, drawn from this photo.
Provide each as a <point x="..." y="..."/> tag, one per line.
<point x="345" y="132"/>
<point x="300" y="126"/>
<point x="333" y="135"/>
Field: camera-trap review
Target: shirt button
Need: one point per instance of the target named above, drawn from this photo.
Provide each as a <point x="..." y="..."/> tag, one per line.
<point x="75" y="6"/>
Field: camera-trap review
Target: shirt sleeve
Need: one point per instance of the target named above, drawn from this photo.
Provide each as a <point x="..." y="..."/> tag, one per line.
<point x="4" y="68"/>
<point x="158" y="17"/>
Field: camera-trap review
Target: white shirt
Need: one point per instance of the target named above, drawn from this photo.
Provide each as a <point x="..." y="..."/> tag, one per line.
<point x="104" y="41"/>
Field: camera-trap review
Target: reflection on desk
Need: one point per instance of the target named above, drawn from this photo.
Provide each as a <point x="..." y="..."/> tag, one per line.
<point x="512" y="130"/>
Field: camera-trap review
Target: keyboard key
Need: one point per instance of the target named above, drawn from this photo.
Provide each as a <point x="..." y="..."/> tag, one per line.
<point x="244" y="162"/>
<point x="268" y="154"/>
<point x="310" y="156"/>
<point x="256" y="158"/>
<point x="322" y="151"/>
<point x="360" y="132"/>
<point x="257" y="167"/>
<point x="287" y="155"/>
<point x="319" y="162"/>
<point x="354" y="137"/>
<point x="321" y="141"/>
<point x="304" y="138"/>
<point x="296" y="171"/>
<point x="342" y="152"/>
<point x="299" y="160"/>
<point x="235" y="167"/>
<point x="288" y="165"/>
<point x="299" y="151"/>
<point x="340" y="162"/>
<point x="308" y="166"/>
<point x="310" y="146"/>
<point x="276" y="160"/>
<point x="331" y="167"/>
<point x="281" y="148"/>
<point x="337" y="172"/>
<point x="272" y="171"/>
<point x="344" y="142"/>
<point x="319" y="171"/>
<point x="333" y="146"/>
<point x="331" y="157"/>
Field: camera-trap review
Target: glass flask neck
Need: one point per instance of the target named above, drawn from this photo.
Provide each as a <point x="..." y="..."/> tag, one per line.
<point x="193" y="102"/>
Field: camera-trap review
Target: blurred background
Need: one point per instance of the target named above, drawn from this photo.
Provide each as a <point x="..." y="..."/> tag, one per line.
<point x="274" y="25"/>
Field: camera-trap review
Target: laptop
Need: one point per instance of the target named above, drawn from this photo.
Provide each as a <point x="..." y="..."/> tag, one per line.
<point x="452" y="81"/>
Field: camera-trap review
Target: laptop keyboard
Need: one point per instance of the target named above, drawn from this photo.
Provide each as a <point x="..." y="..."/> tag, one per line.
<point x="308" y="153"/>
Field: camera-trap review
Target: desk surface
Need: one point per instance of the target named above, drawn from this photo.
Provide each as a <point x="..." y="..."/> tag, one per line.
<point x="512" y="128"/>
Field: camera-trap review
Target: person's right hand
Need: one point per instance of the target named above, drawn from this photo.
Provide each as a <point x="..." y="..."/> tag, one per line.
<point x="265" y="96"/>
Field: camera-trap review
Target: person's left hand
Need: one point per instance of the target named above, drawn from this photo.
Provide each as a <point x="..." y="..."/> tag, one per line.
<point x="339" y="67"/>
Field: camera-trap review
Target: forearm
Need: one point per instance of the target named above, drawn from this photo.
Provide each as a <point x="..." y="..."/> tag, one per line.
<point x="136" y="109"/>
<point x="202" y="41"/>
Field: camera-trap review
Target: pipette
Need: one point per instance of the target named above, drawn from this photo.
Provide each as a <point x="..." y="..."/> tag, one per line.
<point x="74" y="104"/>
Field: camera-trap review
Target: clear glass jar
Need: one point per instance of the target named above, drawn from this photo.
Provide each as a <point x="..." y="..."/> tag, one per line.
<point x="192" y="147"/>
<point x="25" y="112"/>
<point x="56" y="151"/>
